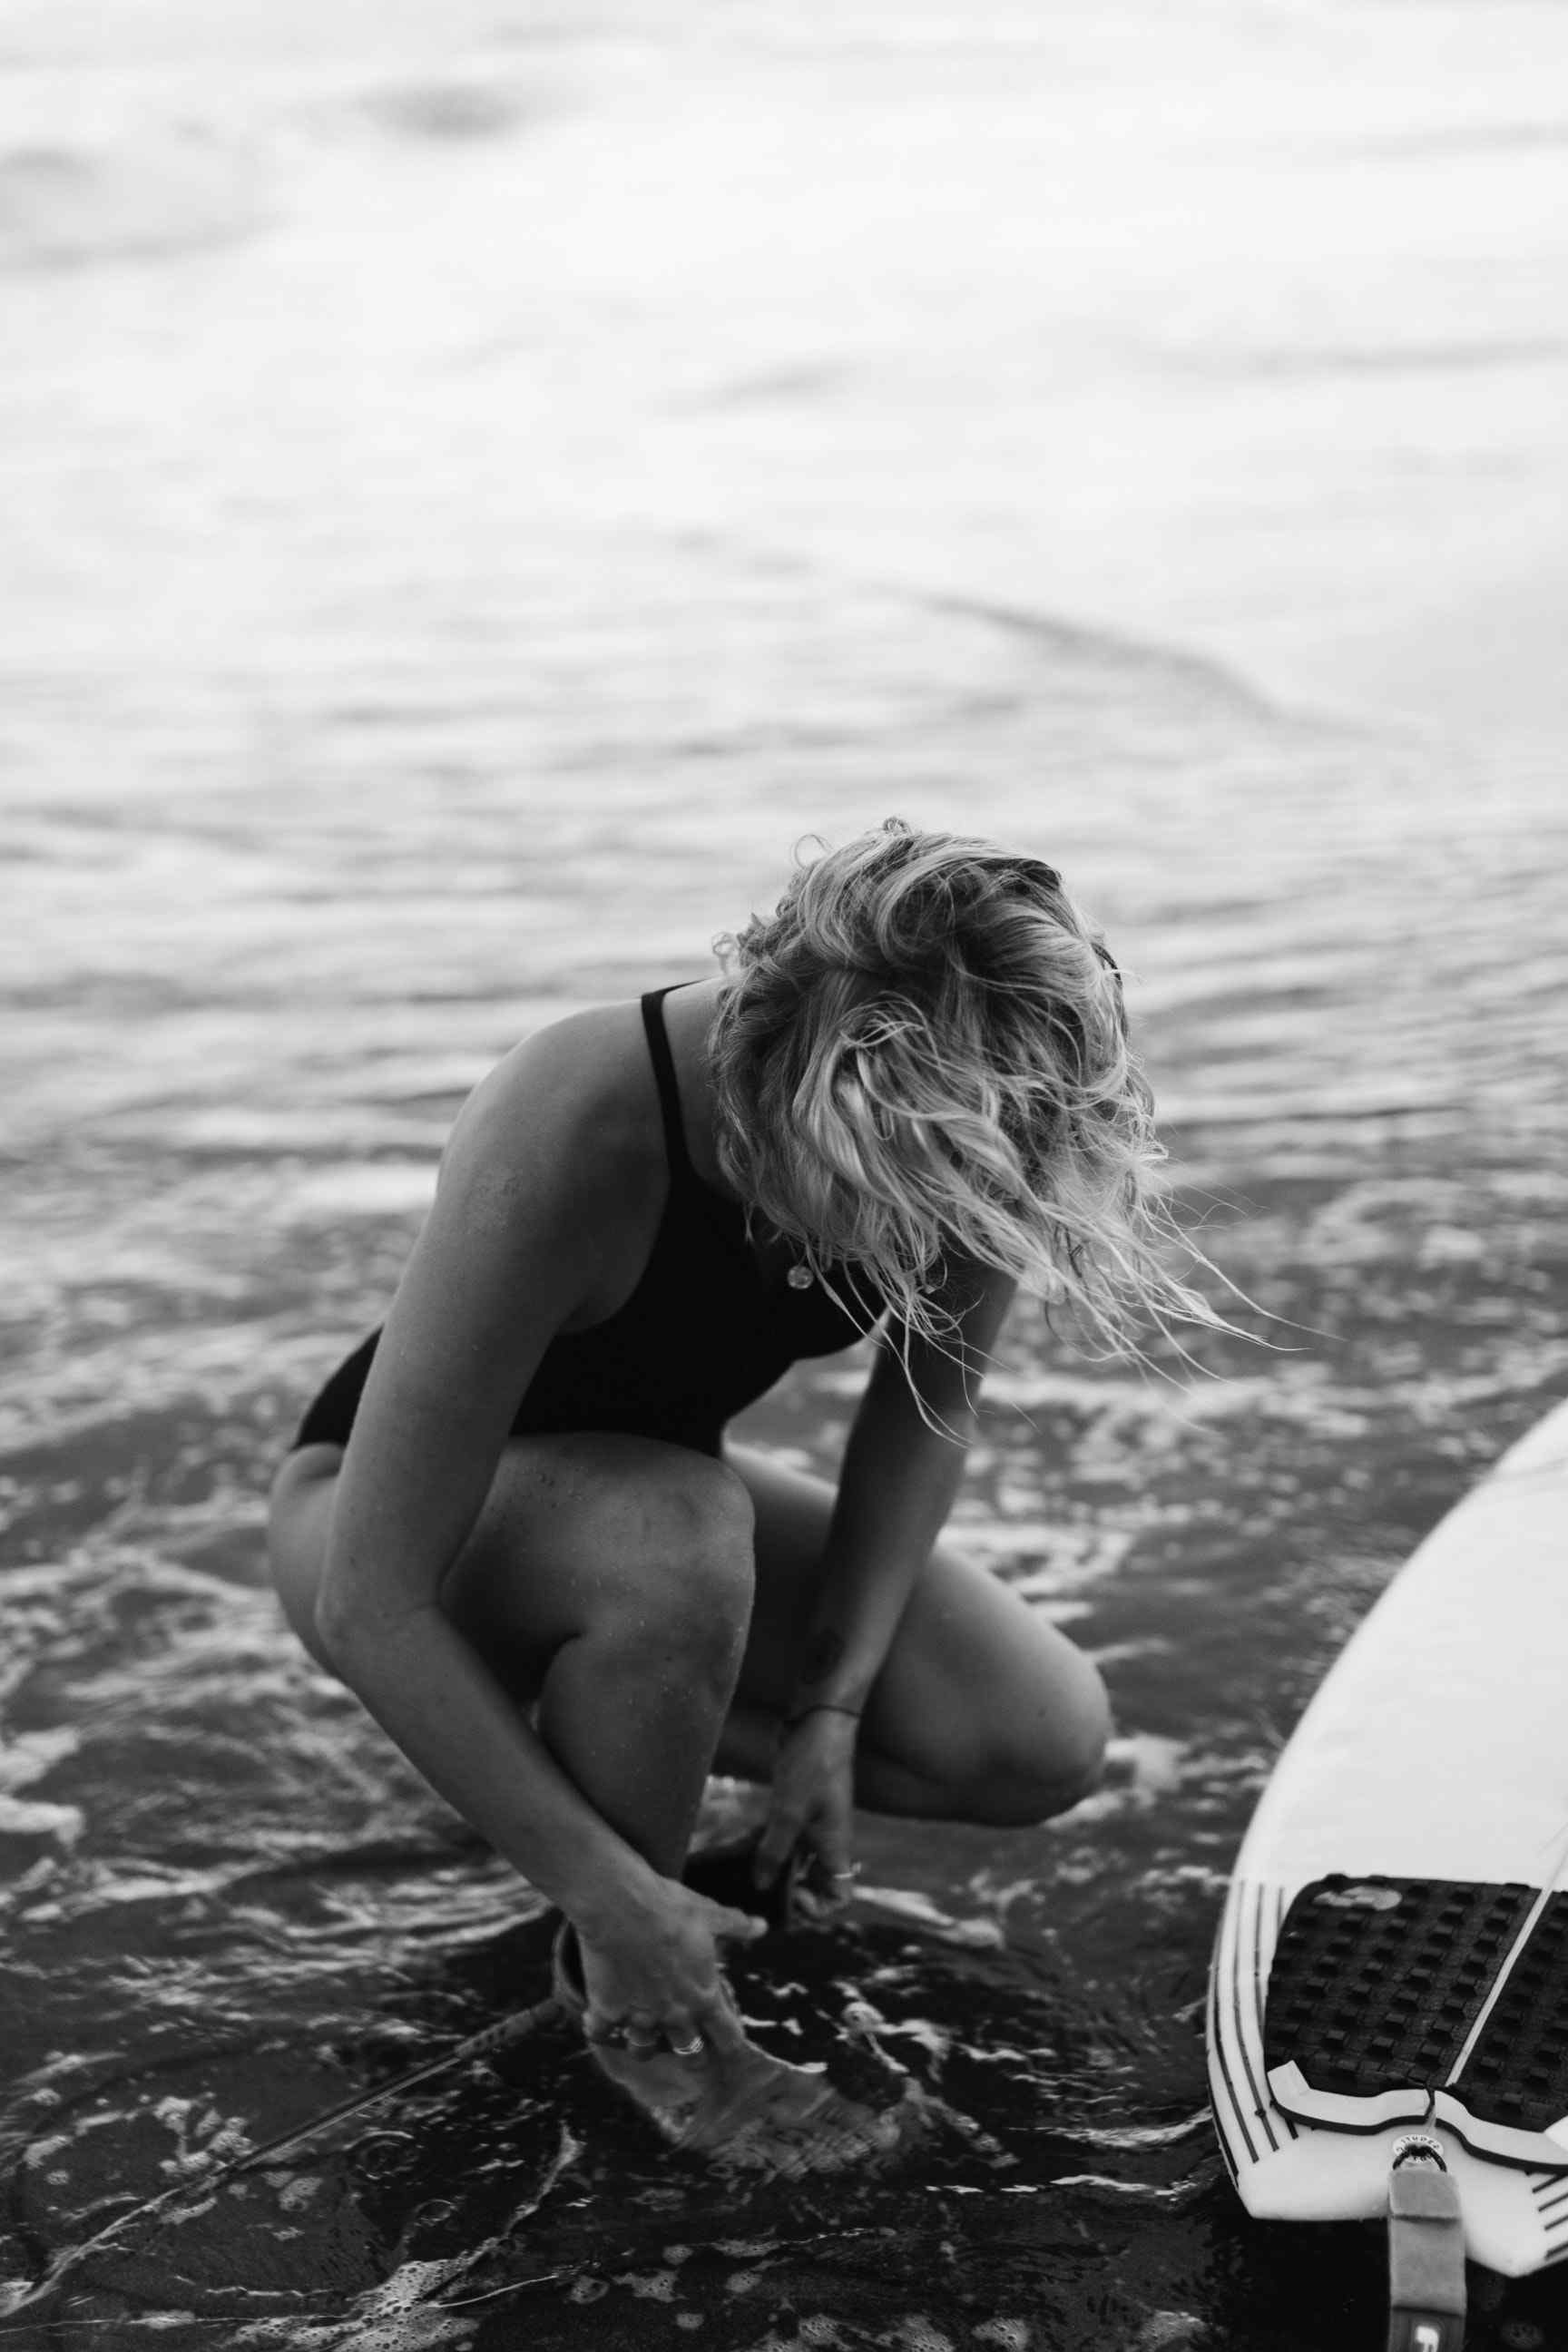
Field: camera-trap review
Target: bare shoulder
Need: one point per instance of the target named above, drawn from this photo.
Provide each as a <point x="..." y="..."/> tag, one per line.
<point x="570" y="1113"/>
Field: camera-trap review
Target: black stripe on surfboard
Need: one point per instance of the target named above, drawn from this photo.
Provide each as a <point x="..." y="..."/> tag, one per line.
<point x="1551" y="2194"/>
<point x="1225" y="1963"/>
<point x="1552" y="2213"/>
<point x="1216" y="2064"/>
<point x="1246" y="1950"/>
<point x="1221" y="2061"/>
<point x="1253" y="1919"/>
<point x="1259" y="2007"/>
<point x="1245" y="2019"/>
<point x="1292" y="2128"/>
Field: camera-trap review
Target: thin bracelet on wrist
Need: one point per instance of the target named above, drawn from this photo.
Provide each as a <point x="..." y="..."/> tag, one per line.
<point x="822" y="1706"/>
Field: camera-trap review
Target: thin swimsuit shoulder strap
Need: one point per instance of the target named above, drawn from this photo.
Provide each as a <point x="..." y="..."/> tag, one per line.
<point x="681" y="1167"/>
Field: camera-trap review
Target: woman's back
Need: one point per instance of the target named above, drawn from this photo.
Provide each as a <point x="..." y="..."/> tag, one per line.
<point x="707" y="1326"/>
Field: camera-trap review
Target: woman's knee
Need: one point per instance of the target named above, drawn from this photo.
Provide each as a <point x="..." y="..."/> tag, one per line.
<point x="674" y="1499"/>
<point x="1044" y="1764"/>
<point x="611" y="1538"/>
<point x="675" y="1540"/>
<point x="298" y="1521"/>
<point x="991" y="1702"/>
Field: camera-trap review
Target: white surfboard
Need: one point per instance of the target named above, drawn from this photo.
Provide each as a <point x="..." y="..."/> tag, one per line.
<point x="1434" y="1756"/>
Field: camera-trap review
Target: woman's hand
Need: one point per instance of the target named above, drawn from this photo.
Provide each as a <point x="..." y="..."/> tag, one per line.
<point x="812" y="1815"/>
<point x="652" y="1977"/>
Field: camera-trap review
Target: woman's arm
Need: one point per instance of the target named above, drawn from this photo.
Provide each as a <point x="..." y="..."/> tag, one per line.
<point x="896" y="1489"/>
<point x="504" y="1259"/>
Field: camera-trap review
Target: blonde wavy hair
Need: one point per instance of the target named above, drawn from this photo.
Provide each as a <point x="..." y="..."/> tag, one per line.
<point x="921" y="1060"/>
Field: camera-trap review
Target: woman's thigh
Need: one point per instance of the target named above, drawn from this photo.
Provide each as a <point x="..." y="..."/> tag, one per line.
<point x="578" y="1533"/>
<point x="977" y="1686"/>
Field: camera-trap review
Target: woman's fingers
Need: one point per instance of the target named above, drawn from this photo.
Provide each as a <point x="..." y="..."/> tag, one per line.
<point x="775" y="1845"/>
<point x="835" y="1871"/>
<point x="826" y="1878"/>
<point x="642" y="2033"/>
<point x="717" y="2020"/>
<point x="737" y="1925"/>
<point x="648" y="1992"/>
<point x="684" y="2034"/>
<point x="676" y="1996"/>
<point x="687" y="2030"/>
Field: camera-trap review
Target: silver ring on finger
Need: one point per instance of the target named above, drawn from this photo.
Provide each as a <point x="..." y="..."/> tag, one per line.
<point x="687" y="2049"/>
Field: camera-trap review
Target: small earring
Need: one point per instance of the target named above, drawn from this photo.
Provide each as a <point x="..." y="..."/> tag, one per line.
<point x="799" y="1277"/>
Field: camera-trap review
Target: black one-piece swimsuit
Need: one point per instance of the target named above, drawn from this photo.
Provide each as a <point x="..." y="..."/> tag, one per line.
<point x="703" y="1335"/>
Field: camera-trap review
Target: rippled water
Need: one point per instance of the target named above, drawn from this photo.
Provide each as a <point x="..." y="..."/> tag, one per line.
<point x="449" y="560"/>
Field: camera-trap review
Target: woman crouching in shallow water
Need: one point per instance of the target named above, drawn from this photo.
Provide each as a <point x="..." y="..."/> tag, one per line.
<point x="538" y="1561"/>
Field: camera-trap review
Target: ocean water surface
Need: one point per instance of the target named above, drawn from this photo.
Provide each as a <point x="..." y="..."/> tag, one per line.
<point x="481" y="486"/>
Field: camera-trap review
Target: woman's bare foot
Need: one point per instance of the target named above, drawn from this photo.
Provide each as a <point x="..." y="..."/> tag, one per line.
<point x="745" y="2108"/>
<point x="733" y="2101"/>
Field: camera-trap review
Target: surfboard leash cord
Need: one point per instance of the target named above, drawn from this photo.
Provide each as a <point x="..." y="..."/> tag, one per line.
<point x="487" y="2043"/>
<point x="1425" y="2249"/>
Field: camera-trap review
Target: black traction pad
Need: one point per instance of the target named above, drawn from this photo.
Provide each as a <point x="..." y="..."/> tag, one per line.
<point x="1517" y="2075"/>
<point x="1376" y="1983"/>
